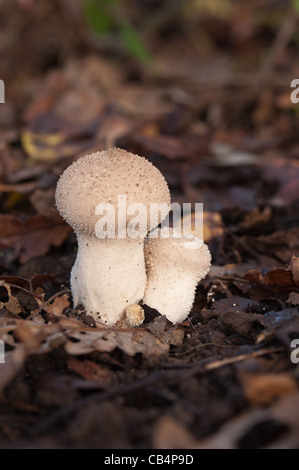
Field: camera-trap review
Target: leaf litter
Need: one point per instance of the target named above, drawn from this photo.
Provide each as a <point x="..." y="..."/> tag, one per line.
<point x="223" y="378"/>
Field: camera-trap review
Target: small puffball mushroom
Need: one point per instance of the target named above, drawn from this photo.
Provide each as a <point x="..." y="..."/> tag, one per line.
<point x="134" y="315"/>
<point x="109" y="273"/>
<point x="175" y="265"/>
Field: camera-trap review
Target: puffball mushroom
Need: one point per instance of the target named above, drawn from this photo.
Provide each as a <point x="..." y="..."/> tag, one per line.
<point x="175" y="265"/>
<point x="109" y="273"/>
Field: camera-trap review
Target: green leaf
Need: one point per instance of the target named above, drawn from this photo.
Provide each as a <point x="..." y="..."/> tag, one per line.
<point x="134" y="43"/>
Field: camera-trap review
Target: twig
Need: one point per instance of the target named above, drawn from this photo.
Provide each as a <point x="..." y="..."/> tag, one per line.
<point x="204" y="366"/>
<point x="243" y="244"/>
<point x="228" y="294"/>
<point x="232" y="360"/>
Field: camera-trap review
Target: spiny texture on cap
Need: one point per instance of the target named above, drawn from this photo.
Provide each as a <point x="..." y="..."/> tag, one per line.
<point x="101" y="178"/>
<point x="174" y="267"/>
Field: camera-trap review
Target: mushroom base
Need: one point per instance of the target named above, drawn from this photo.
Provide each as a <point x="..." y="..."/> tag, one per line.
<point x="175" y="299"/>
<point x="108" y="276"/>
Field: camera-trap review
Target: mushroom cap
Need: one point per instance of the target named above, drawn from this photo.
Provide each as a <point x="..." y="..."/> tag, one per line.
<point x="182" y="253"/>
<point x="102" y="177"/>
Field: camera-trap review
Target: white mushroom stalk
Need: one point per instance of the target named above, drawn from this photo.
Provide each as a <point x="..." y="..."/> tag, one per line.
<point x="175" y="265"/>
<point x="109" y="274"/>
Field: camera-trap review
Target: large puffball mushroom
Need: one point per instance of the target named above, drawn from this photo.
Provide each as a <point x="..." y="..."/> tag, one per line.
<point x="109" y="273"/>
<point x="175" y="264"/>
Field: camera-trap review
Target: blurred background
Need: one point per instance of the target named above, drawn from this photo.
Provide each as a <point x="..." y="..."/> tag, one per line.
<point x="203" y="90"/>
<point x="200" y="88"/>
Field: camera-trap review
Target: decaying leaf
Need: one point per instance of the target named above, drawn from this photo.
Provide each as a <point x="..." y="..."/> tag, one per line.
<point x="224" y="378"/>
<point x="282" y="278"/>
<point x="295" y="269"/>
<point x="12" y="305"/>
<point x="131" y="341"/>
<point x="206" y="226"/>
<point x="14" y="362"/>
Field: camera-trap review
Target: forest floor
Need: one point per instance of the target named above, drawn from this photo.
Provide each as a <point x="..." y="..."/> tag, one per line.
<point x="223" y="378"/>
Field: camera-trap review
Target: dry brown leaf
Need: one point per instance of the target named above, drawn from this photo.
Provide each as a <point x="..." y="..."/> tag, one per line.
<point x="213" y="225"/>
<point x="280" y="277"/>
<point x="91" y="371"/>
<point x="170" y="434"/>
<point x="256" y="219"/>
<point x="12" y="305"/>
<point x="262" y="389"/>
<point x="43" y="201"/>
<point x="293" y="298"/>
<point x="295" y="268"/>
<point x="283" y="278"/>
<point x="83" y="341"/>
<point x="131" y="341"/>
<point x="14" y="362"/>
<point x="58" y="306"/>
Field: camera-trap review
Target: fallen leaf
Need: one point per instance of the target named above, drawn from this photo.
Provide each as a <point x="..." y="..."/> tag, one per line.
<point x="51" y="137"/>
<point x="170" y="434"/>
<point x="293" y="298"/>
<point x="58" y="306"/>
<point x="12" y="304"/>
<point x="282" y="278"/>
<point x="43" y="201"/>
<point x="295" y="268"/>
<point x="273" y="428"/>
<point x="239" y="321"/>
<point x="206" y="226"/>
<point x="286" y="172"/>
<point x="274" y="318"/>
<point x="16" y="281"/>
<point x="212" y="225"/>
<point x="131" y="341"/>
<point x="169" y="335"/>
